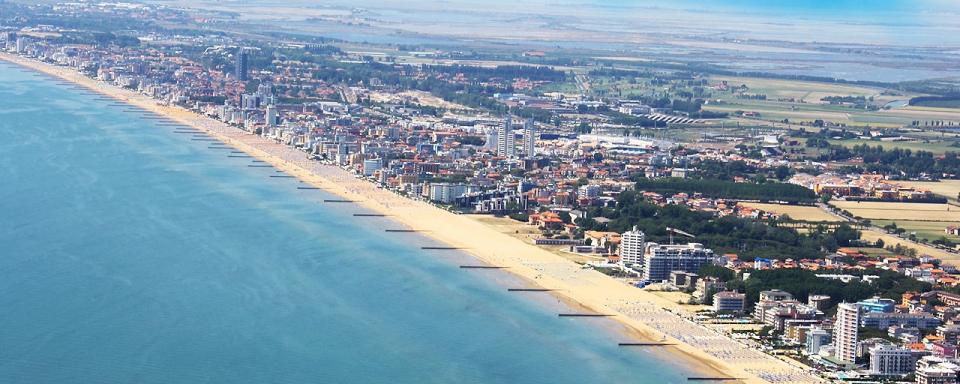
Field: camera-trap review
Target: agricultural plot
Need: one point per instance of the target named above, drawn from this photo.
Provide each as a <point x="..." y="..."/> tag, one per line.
<point x="946" y="188"/>
<point x="796" y="212"/>
<point x="901" y="211"/>
<point x="930" y="230"/>
<point x="800" y="101"/>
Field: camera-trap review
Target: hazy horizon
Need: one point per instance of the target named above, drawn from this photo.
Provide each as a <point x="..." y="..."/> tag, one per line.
<point x="885" y="22"/>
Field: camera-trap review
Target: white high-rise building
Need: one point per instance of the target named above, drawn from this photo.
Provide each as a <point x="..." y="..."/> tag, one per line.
<point x="529" y="138"/>
<point x="631" y="247"/>
<point x="270" y="116"/>
<point x="845" y="334"/>
<point x="505" y="140"/>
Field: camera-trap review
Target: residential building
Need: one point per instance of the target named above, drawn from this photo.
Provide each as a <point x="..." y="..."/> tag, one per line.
<point x="936" y="370"/>
<point x="529" y="139"/>
<point x="270" y="116"/>
<point x="779" y="313"/>
<point x="371" y="165"/>
<point x="877" y="305"/>
<point x="241" y="64"/>
<point x="683" y="280"/>
<point x="659" y="260"/>
<point x="882" y="320"/>
<point x="891" y="360"/>
<point x="632" y="247"/>
<point x="446" y="193"/>
<point x="729" y="302"/>
<point x="706" y="286"/>
<point x="816" y="338"/>
<point x="845" y="332"/>
<point x="505" y="139"/>
<point x="775" y="295"/>
<point x="820" y="302"/>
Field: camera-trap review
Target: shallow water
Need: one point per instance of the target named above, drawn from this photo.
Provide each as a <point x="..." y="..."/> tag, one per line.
<point x="131" y="254"/>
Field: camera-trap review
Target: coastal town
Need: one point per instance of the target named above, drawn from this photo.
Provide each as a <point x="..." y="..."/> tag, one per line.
<point x="789" y="251"/>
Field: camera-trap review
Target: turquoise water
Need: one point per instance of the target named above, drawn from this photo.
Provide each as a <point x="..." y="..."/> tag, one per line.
<point x="131" y="254"/>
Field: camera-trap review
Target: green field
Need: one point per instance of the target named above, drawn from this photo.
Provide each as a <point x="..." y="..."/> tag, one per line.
<point x="930" y="230"/>
<point x="800" y="101"/>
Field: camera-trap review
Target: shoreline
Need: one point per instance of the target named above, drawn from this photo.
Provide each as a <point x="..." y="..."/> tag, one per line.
<point x="576" y="287"/>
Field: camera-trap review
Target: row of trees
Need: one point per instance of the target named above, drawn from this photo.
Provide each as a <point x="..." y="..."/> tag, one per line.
<point x="722" y="189"/>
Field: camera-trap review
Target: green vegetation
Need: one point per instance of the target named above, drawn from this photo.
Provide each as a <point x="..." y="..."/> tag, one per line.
<point x="936" y="102"/>
<point x="726" y="171"/>
<point x="802" y="283"/>
<point x="729" y="190"/>
<point x="747" y="238"/>
<point x="711" y="270"/>
<point x="877" y="159"/>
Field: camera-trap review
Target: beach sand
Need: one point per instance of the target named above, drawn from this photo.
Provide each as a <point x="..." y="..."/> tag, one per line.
<point x="650" y="318"/>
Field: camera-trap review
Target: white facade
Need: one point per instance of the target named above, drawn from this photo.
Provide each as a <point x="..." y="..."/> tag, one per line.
<point x="505" y="140"/>
<point x="817" y="338"/>
<point x="631" y="247"/>
<point x="270" y="116"/>
<point x="936" y="370"/>
<point x="845" y="332"/>
<point x="729" y="302"/>
<point x="589" y="191"/>
<point x="529" y="138"/>
<point x="889" y="360"/>
<point x="445" y="192"/>
<point x="371" y="165"/>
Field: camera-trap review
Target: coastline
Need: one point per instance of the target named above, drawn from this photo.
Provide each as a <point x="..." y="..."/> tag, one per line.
<point x="591" y="290"/>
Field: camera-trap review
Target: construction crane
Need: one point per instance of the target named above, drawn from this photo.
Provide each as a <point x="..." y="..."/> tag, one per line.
<point x="679" y="232"/>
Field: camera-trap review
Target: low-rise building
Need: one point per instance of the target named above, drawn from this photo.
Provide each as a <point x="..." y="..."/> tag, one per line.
<point x="936" y="370"/>
<point x="816" y="339"/>
<point x="881" y="320"/>
<point x="729" y="302"/>
<point x="891" y="360"/>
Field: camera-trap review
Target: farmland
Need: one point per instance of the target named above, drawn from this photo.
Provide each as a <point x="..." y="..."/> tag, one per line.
<point x="800" y="102"/>
<point x="796" y="212"/>
<point x="946" y="188"/>
<point x="901" y="211"/>
<point x="930" y="230"/>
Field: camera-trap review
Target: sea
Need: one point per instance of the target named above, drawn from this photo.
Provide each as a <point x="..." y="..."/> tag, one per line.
<point x="135" y="251"/>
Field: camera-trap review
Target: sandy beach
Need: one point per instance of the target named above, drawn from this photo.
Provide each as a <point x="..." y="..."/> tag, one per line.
<point x="648" y="315"/>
